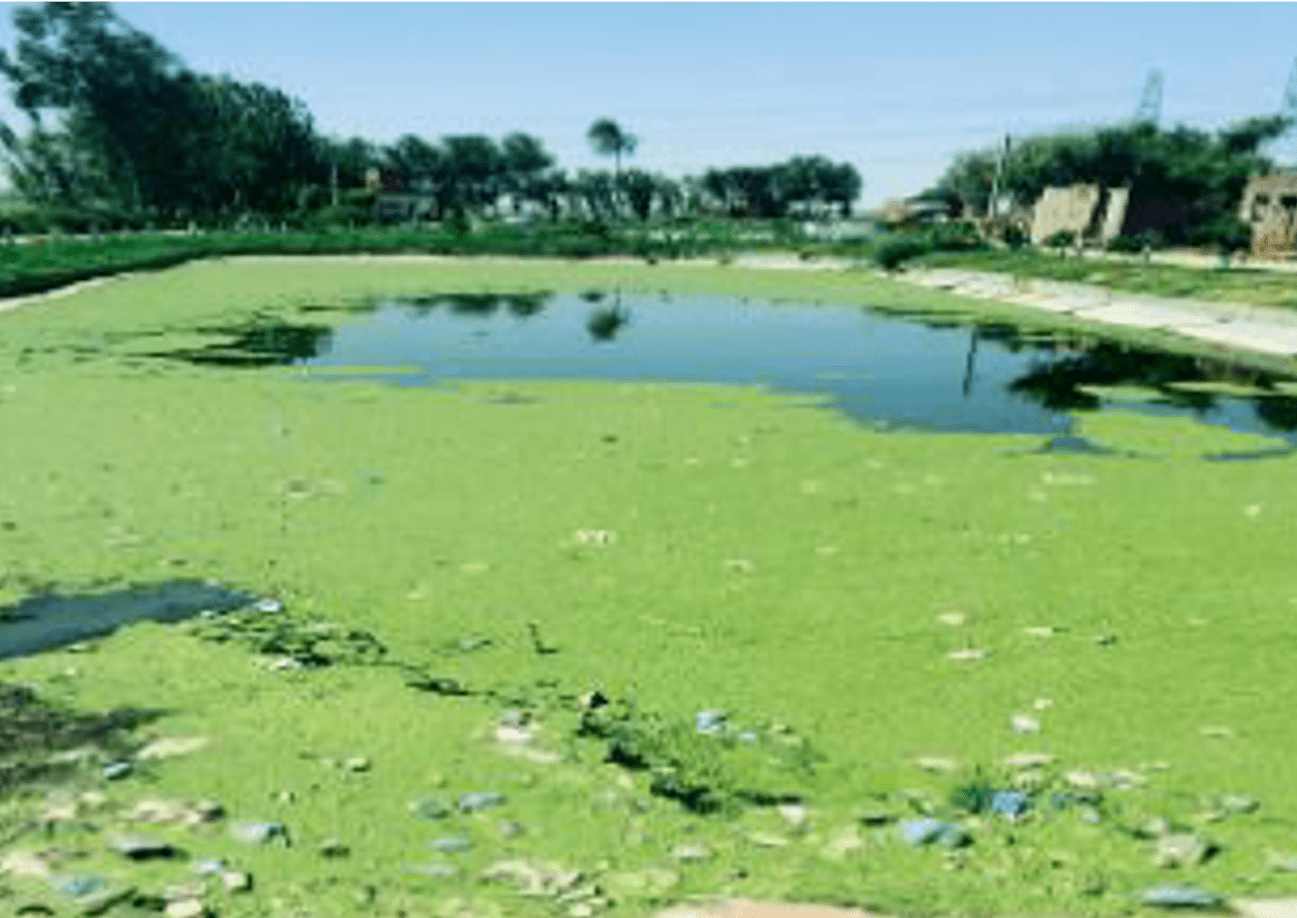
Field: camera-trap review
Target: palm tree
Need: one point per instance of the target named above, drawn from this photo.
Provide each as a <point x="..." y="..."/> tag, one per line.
<point x="608" y="139"/>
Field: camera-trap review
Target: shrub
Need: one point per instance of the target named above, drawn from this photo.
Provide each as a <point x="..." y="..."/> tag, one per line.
<point x="959" y="236"/>
<point x="1126" y="243"/>
<point x="1061" y="240"/>
<point x="1014" y="236"/>
<point x="892" y="251"/>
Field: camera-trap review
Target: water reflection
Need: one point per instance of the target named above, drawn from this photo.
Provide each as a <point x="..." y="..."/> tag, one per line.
<point x="918" y="370"/>
<point x="258" y="344"/>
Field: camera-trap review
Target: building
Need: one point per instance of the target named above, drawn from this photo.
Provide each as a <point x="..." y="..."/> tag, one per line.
<point x="1269" y="206"/>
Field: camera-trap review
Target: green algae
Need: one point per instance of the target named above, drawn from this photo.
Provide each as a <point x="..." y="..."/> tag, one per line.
<point x="783" y="564"/>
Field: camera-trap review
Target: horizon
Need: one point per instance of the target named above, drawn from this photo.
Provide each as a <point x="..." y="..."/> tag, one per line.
<point x="719" y="84"/>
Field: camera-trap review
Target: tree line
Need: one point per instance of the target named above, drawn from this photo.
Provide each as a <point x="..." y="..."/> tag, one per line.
<point x="119" y="129"/>
<point x="1198" y="176"/>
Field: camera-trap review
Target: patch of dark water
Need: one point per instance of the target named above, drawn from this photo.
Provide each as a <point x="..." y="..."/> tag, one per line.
<point x="257" y="344"/>
<point x="49" y="620"/>
<point x="915" y="371"/>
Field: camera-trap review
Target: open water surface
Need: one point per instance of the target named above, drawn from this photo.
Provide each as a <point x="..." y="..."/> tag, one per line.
<point x="921" y="371"/>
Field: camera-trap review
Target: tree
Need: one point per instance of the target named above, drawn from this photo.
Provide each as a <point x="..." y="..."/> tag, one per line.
<point x="526" y="164"/>
<point x="608" y="139"/>
<point x="115" y="118"/>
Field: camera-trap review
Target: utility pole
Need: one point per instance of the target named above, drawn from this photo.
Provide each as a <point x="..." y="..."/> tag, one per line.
<point x="993" y="205"/>
<point x="333" y="184"/>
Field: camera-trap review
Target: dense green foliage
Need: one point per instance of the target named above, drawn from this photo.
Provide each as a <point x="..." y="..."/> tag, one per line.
<point x="122" y="134"/>
<point x="804" y="183"/>
<point x="1194" y="176"/>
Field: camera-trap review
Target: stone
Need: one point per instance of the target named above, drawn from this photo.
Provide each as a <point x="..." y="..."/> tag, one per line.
<point x="1083" y="780"/>
<point x="434" y="871"/>
<point x="208" y="866"/>
<point x="451" y="845"/>
<point x="540" y="880"/>
<point x="953" y="619"/>
<point x="767" y="840"/>
<point x="269" y="606"/>
<point x="1157" y="827"/>
<point x="650" y="882"/>
<point x="356" y="764"/>
<point x="968" y="654"/>
<point x="1239" y="803"/>
<point x="1040" y="631"/>
<point x="185" y="908"/>
<point x="1024" y="723"/>
<point x="512" y="829"/>
<point x="1182" y="849"/>
<point x="157" y="811"/>
<point x="512" y="736"/>
<point x="935" y="763"/>
<point x="842" y="844"/>
<point x="259" y="833"/>
<point x="184" y="891"/>
<point x="1106" y="639"/>
<point x="115" y="771"/>
<point x="1282" y="861"/>
<point x="581" y="910"/>
<point x="26" y="864"/>
<point x="236" y="881"/>
<point x="480" y="800"/>
<point x="139" y="848"/>
<point x="795" y="814"/>
<point x="430" y="808"/>
<point x="691" y="853"/>
<point x="1181" y="896"/>
<point x="169" y="747"/>
<point x="1028" y="759"/>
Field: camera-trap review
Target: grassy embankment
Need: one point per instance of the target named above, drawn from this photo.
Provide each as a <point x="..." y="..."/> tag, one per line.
<point x="46" y="262"/>
<point x="1238" y="284"/>
<point x="690" y="547"/>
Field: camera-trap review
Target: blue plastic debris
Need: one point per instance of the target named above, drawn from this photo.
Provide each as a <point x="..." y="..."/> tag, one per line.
<point x="78" y="885"/>
<point x="927" y="831"/>
<point x="709" y="721"/>
<point x="115" y="770"/>
<point x="451" y="845"/>
<point x="1011" y="804"/>
<point x="481" y="800"/>
<point x="1180" y="896"/>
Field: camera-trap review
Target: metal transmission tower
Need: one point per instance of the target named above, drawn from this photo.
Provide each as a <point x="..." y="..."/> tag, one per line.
<point x="1150" y="102"/>
<point x="1285" y="148"/>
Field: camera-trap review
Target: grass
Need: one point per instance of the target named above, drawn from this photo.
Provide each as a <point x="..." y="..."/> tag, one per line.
<point x="677" y="548"/>
<point x="1253" y="286"/>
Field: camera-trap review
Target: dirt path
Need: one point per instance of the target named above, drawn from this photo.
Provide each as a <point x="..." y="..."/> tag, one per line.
<point x="1261" y="329"/>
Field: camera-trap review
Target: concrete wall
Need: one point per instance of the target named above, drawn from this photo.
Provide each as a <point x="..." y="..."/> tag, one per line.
<point x="1069" y="209"/>
<point x="1269" y="206"/>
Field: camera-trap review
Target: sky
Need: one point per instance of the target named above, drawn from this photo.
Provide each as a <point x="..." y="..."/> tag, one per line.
<point x="896" y="89"/>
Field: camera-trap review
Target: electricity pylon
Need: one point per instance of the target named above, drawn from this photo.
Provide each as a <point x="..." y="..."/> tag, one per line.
<point x="1150" y="101"/>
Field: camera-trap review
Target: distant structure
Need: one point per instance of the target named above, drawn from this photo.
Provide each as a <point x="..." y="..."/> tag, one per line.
<point x="1269" y="206"/>
<point x="1150" y="101"/>
<point x="1090" y="213"/>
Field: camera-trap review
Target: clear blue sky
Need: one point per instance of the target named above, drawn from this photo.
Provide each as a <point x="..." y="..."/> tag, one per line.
<point x="895" y="88"/>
